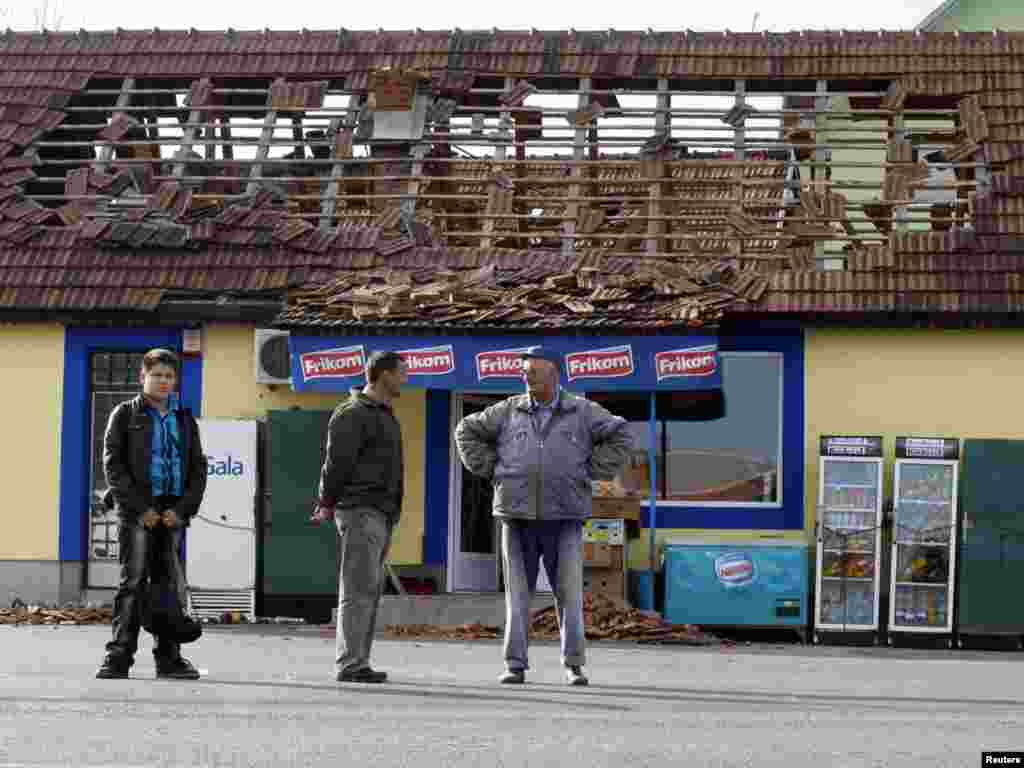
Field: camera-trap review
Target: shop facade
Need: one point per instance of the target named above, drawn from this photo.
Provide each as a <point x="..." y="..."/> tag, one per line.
<point x="726" y="414"/>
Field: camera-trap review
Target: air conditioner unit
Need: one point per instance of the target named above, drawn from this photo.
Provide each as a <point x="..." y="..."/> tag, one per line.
<point x="273" y="358"/>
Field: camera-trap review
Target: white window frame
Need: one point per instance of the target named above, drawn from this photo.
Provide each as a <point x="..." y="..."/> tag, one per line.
<point x="780" y="463"/>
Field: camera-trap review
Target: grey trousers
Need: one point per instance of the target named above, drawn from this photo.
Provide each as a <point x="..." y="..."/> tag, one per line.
<point x="365" y="539"/>
<point x="560" y="544"/>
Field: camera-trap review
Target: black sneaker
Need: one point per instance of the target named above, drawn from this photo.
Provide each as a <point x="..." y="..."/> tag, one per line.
<point x="574" y="676"/>
<point x="512" y="677"/>
<point x="364" y="675"/>
<point x="176" y="669"/>
<point x="114" y="668"/>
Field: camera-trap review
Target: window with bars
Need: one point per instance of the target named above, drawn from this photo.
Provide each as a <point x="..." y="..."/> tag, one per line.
<point x="115" y="378"/>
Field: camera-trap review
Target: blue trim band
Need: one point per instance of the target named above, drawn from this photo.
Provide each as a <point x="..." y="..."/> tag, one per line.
<point x="436" y="474"/>
<point x="79" y="344"/>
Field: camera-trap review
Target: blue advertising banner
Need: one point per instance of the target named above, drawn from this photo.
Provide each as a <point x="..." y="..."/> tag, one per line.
<point x="492" y="363"/>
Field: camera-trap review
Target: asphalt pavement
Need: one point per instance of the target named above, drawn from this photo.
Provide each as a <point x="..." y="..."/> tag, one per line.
<point x="268" y="698"/>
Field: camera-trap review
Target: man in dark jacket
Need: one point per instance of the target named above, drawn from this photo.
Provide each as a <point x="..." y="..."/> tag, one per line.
<point x="361" y="488"/>
<point x="542" y="450"/>
<point x="156" y="471"/>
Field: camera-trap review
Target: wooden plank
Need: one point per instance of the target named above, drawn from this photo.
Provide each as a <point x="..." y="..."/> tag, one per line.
<point x="572" y="210"/>
<point x="740" y="150"/>
<point x="123" y="100"/>
<point x="662" y="127"/>
<point x="504" y="132"/>
<point x="266" y="136"/>
<point x="329" y="206"/>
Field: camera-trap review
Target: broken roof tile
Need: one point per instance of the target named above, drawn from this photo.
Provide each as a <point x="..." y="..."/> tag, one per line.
<point x="120" y="126"/>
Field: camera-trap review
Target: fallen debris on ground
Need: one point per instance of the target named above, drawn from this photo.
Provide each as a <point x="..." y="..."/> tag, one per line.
<point x="604" y="619"/>
<point x="56" y="616"/>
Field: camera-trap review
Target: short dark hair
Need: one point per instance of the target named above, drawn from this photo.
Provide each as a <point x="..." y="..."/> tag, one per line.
<point x="157" y="357"/>
<point x="380" y="362"/>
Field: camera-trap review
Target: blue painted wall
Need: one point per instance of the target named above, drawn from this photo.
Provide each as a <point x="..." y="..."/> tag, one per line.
<point x="436" y="473"/>
<point x="80" y="343"/>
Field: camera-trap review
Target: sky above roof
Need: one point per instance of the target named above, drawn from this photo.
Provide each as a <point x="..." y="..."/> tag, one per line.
<point x="734" y="15"/>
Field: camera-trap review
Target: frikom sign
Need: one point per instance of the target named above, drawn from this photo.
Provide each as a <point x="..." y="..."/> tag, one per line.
<point x="679" y="363"/>
<point x="613" y="362"/>
<point x="432" y="361"/>
<point x="494" y="363"/>
<point x="339" y="363"/>
<point x="500" y="364"/>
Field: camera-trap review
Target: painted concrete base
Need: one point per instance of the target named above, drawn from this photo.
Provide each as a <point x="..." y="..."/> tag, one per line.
<point x="40" y="582"/>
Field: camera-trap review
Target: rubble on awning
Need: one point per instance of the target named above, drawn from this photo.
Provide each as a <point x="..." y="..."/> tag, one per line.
<point x="588" y="290"/>
<point x="603" y="619"/>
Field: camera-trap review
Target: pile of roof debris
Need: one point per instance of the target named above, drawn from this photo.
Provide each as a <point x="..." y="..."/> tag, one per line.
<point x="603" y="618"/>
<point x="34" y="614"/>
<point x="591" y="289"/>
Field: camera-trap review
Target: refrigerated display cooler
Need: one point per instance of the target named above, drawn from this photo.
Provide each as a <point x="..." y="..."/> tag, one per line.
<point x="755" y="583"/>
<point x="849" y="527"/>
<point x="921" y="585"/>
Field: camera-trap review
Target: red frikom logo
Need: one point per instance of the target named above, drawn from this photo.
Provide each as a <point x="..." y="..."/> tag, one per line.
<point x="613" y="362"/>
<point x="681" y="363"/>
<point x="340" y="363"/>
<point x="432" y="361"/>
<point x="500" y="364"/>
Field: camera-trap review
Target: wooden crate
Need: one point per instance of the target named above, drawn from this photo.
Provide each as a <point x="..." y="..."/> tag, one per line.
<point x="616" y="507"/>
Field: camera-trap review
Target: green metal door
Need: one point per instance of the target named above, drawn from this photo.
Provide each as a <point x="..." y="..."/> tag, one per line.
<point x="992" y="538"/>
<point x="299" y="560"/>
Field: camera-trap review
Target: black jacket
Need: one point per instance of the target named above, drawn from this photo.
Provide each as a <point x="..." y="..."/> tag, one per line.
<point x="127" y="450"/>
<point x="363" y="462"/>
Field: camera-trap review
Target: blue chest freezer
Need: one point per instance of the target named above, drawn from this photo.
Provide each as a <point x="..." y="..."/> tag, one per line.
<point x="762" y="583"/>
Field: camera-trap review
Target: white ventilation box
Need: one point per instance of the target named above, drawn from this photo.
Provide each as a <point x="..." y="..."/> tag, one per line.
<point x="210" y="604"/>
<point x="273" y="359"/>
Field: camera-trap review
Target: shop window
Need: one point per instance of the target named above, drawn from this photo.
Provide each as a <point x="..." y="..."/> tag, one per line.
<point x="115" y="378"/>
<point x="727" y="450"/>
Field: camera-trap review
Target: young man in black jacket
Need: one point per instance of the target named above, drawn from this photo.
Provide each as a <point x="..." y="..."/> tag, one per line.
<point x="156" y="470"/>
<point x="361" y="487"/>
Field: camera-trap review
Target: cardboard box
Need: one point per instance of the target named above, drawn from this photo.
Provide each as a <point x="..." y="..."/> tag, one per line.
<point x="607" y="583"/>
<point x="605" y="531"/>
<point x="601" y="555"/>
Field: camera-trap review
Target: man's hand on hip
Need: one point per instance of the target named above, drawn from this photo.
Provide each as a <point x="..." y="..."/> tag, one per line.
<point x="322" y="514"/>
<point x="172" y="519"/>
<point x="150" y="519"/>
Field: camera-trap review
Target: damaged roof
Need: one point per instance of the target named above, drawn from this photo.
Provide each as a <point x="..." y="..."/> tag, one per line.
<point x="232" y="236"/>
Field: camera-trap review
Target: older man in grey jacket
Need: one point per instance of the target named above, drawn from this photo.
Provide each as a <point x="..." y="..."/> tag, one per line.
<point x="541" y="450"/>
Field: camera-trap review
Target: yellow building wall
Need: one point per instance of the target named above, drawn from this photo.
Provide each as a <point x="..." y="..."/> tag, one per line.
<point x="892" y="383"/>
<point x="230" y="391"/>
<point x="30" y="403"/>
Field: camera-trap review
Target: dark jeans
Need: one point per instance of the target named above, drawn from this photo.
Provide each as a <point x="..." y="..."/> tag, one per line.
<point x="145" y="555"/>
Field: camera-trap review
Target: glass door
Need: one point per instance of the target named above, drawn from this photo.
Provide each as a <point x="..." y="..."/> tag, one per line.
<point x="115" y="378"/>
<point x="848" y="564"/>
<point x="923" y="556"/>
<point x="473" y="535"/>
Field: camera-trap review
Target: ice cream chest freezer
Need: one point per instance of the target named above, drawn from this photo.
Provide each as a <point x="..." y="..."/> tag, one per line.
<point x="751" y="583"/>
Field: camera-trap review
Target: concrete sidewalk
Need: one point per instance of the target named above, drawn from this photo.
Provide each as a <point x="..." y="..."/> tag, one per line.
<point x="269" y="699"/>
